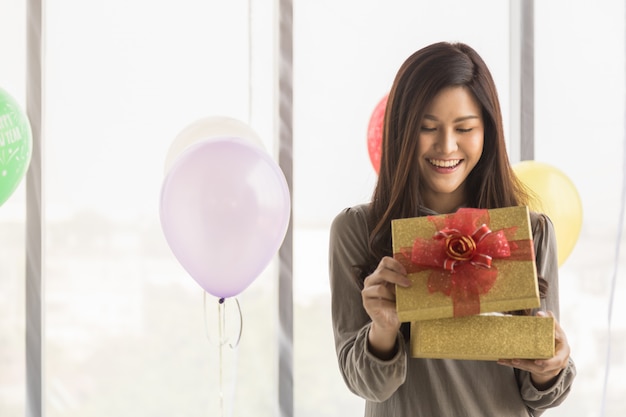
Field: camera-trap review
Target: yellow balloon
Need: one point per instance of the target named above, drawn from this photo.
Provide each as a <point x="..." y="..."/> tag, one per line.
<point x="558" y="198"/>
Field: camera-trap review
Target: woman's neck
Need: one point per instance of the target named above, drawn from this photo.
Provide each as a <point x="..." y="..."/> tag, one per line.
<point x="444" y="204"/>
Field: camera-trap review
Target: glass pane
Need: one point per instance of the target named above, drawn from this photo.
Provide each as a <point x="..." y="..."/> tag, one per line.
<point x="579" y="102"/>
<point x="345" y="62"/>
<point x="12" y="304"/>
<point x="13" y="226"/>
<point x="126" y="332"/>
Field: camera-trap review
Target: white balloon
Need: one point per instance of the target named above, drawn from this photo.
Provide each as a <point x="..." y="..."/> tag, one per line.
<point x="209" y="128"/>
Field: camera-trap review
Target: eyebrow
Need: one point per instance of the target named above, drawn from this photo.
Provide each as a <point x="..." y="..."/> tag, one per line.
<point x="457" y="120"/>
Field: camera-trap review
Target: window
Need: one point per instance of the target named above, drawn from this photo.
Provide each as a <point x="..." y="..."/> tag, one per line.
<point x="127" y="330"/>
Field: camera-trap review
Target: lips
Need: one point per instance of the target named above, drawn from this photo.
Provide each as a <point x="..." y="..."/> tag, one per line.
<point x="445" y="163"/>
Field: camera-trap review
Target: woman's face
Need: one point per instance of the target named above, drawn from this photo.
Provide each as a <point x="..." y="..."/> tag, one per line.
<point x="450" y="144"/>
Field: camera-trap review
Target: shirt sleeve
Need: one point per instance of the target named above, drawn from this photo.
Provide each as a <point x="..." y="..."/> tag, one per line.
<point x="365" y="375"/>
<point x="546" y="254"/>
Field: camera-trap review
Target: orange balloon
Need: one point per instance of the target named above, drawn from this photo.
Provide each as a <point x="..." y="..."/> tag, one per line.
<point x="558" y="198"/>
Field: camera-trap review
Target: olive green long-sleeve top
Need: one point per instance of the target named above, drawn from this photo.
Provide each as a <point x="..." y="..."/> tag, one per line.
<point x="411" y="387"/>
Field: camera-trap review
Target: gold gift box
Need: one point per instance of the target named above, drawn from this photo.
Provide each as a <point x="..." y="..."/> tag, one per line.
<point x="484" y="337"/>
<point x="516" y="285"/>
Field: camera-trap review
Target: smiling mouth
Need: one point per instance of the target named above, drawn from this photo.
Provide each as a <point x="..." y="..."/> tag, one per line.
<point x="449" y="164"/>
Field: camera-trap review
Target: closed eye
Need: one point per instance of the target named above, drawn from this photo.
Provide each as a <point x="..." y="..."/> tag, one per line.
<point x="465" y="130"/>
<point x="428" y="129"/>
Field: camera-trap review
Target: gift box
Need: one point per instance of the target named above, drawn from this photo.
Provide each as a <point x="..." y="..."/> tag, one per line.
<point x="484" y="337"/>
<point x="466" y="263"/>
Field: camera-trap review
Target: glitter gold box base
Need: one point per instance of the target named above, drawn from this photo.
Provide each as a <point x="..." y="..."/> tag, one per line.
<point x="484" y="337"/>
<point x="516" y="286"/>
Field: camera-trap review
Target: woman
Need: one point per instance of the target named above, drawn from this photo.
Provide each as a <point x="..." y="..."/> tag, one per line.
<point x="443" y="148"/>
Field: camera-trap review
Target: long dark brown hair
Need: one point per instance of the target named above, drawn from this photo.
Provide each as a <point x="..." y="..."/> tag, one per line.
<point x="491" y="184"/>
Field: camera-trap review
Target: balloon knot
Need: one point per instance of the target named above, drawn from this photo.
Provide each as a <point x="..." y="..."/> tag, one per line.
<point x="222" y="300"/>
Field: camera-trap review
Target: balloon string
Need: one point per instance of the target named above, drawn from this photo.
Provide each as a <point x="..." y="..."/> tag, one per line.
<point x="222" y="322"/>
<point x="618" y="247"/>
<point x="222" y="301"/>
<point x="236" y="344"/>
<point x="223" y="339"/>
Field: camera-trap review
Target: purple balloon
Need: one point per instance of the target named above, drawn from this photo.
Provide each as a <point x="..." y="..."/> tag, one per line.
<point x="224" y="209"/>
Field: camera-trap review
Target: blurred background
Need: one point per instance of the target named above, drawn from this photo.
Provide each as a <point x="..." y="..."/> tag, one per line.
<point x="125" y="331"/>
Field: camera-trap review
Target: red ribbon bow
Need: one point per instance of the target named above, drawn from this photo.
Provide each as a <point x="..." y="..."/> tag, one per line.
<point x="460" y="257"/>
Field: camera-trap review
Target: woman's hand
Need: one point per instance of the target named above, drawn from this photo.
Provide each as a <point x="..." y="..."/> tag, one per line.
<point x="544" y="372"/>
<point x="379" y="301"/>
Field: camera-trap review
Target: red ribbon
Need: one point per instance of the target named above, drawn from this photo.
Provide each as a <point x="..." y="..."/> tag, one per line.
<point x="460" y="255"/>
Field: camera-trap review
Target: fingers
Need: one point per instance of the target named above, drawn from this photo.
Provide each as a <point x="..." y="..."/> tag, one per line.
<point x="388" y="271"/>
<point x="383" y="291"/>
<point x="544" y="371"/>
<point x="561" y="348"/>
<point x="379" y="293"/>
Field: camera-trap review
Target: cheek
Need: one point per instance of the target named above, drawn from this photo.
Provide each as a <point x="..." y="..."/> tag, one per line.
<point x="476" y="146"/>
<point x="422" y="147"/>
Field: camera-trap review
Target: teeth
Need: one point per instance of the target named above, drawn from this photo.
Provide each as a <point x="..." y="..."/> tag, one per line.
<point x="444" y="164"/>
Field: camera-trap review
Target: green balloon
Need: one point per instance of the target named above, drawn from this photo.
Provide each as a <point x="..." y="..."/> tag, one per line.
<point x="16" y="143"/>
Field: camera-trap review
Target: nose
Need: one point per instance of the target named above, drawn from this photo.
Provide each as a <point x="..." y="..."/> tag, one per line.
<point x="446" y="141"/>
